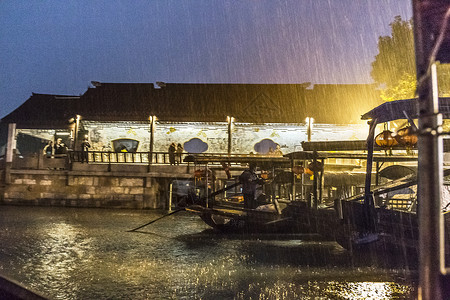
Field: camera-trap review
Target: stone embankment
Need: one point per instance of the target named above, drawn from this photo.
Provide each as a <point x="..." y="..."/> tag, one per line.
<point x="114" y="186"/>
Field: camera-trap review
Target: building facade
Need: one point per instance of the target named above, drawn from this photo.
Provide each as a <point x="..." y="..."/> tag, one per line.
<point x="211" y="118"/>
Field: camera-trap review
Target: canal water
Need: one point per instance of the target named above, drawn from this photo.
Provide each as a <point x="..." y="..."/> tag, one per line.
<point x="73" y="253"/>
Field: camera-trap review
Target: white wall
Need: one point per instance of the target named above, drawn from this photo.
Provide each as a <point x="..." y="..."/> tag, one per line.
<point x="244" y="135"/>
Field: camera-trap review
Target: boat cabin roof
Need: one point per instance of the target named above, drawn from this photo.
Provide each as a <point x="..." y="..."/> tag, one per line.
<point x="260" y="161"/>
<point x="309" y="155"/>
<point x="403" y="109"/>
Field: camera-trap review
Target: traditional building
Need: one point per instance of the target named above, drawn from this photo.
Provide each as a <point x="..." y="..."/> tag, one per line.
<point x="213" y="118"/>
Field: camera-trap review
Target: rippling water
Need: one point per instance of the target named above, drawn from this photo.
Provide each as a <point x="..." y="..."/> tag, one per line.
<point x="69" y="253"/>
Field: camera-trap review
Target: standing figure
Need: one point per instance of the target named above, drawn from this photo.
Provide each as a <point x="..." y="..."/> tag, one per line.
<point x="172" y="149"/>
<point x="84" y="150"/>
<point x="249" y="180"/>
<point x="48" y="149"/>
<point x="60" y="148"/>
<point x="179" y="153"/>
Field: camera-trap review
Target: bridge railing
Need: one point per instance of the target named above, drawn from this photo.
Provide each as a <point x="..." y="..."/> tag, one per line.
<point x="138" y="157"/>
<point x="65" y="161"/>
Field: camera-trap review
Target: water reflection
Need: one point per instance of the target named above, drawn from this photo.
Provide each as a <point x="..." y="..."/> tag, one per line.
<point x="88" y="253"/>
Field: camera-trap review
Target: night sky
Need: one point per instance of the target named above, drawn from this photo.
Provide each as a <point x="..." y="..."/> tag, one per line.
<point x="59" y="47"/>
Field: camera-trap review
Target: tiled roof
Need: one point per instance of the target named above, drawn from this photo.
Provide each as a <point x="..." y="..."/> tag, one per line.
<point x="253" y="103"/>
<point x="43" y="111"/>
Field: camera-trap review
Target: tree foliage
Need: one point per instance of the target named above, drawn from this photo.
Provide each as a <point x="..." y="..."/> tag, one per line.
<point x="394" y="67"/>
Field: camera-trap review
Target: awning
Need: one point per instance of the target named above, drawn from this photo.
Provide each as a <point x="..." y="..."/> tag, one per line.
<point x="400" y="109"/>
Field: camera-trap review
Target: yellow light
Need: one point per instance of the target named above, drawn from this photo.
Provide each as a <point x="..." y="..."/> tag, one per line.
<point x="309" y="120"/>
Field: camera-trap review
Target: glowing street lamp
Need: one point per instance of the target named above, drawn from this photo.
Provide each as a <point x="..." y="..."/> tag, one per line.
<point x="152" y="120"/>
<point x="309" y="123"/>
<point x="230" y="121"/>
<point x="77" y="127"/>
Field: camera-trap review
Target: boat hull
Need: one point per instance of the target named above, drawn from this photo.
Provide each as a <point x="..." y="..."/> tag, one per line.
<point x="238" y="220"/>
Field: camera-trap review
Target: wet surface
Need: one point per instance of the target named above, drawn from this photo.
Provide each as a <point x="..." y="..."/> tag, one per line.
<point x="69" y="253"/>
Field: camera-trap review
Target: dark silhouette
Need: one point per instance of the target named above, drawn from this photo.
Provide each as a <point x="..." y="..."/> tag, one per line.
<point x="60" y="148"/>
<point x="48" y="149"/>
<point x="172" y="149"/>
<point x="179" y="153"/>
<point x="84" y="151"/>
<point x="249" y="181"/>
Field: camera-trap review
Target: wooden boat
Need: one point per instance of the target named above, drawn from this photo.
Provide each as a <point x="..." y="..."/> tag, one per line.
<point x="240" y="220"/>
<point x="227" y="213"/>
<point x="385" y="218"/>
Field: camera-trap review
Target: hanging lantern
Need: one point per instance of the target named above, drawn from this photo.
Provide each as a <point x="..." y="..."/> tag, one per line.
<point x="385" y="140"/>
<point x="406" y="137"/>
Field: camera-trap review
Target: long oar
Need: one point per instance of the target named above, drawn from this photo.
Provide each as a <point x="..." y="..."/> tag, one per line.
<point x="166" y="215"/>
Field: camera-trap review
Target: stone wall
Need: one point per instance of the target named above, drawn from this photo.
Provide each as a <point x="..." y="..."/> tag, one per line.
<point x="116" y="189"/>
<point x="244" y="136"/>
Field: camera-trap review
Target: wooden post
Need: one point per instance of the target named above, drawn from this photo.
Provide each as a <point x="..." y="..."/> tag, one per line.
<point x="152" y="130"/>
<point x="293" y="179"/>
<point x="170" y="196"/>
<point x="369" y="211"/>
<point x="315" y="200"/>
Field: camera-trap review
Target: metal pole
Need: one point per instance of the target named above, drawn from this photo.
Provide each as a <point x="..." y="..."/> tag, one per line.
<point x="430" y="181"/>
<point x="431" y="254"/>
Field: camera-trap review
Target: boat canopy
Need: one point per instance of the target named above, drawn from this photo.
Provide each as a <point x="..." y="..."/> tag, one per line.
<point x="403" y="109"/>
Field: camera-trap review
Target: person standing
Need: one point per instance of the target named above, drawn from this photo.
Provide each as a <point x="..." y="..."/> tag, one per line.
<point x="60" y="149"/>
<point x="172" y="149"/>
<point x="84" y="151"/>
<point x="48" y="149"/>
<point x="179" y="153"/>
<point x="249" y="181"/>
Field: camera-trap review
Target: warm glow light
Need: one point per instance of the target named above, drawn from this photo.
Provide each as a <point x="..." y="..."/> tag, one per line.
<point x="78" y="117"/>
<point x="230" y="119"/>
<point x="309" y="120"/>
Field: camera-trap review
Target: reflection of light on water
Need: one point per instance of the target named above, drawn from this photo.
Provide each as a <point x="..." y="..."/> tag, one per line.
<point x="60" y="253"/>
<point x="366" y="290"/>
<point x="90" y="256"/>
